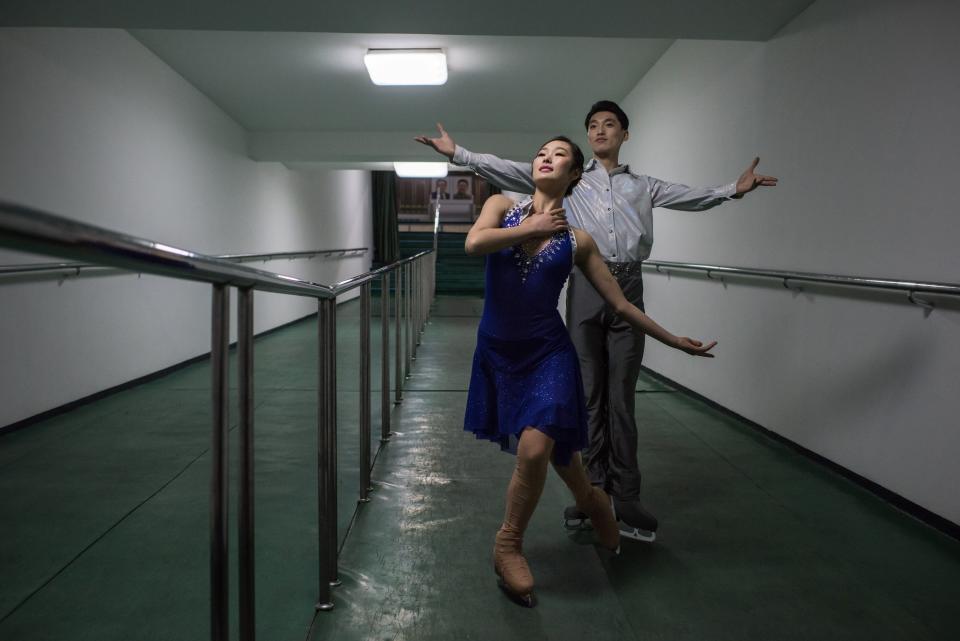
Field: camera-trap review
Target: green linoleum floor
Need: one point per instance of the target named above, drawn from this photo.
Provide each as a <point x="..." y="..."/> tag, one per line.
<point x="106" y="507"/>
<point x="105" y="521"/>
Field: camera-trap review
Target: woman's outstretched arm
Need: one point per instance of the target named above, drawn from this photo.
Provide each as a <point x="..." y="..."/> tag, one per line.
<point x="486" y="236"/>
<point x="591" y="264"/>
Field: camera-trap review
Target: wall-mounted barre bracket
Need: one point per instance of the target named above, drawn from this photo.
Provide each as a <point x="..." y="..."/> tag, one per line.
<point x="786" y="285"/>
<point x="926" y="304"/>
<point x="712" y="277"/>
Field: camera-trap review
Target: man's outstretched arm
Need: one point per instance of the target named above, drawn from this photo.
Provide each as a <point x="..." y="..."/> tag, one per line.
<point x="505" y="174"/>
<point x="677" y="196"/>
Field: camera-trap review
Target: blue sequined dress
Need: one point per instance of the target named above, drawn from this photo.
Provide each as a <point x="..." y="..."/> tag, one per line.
<point x="525" y="369"/>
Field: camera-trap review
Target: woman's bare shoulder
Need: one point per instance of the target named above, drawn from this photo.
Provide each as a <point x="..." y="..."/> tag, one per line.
<point x="499" y="201"/>
<point x="585" y="246"/>
<point x="494" y="209"/>
<point x="584" y="240"/>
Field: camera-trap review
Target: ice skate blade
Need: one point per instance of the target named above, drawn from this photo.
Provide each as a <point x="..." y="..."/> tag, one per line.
<point x="637" y="534"/>
<point x="525" y="600"/>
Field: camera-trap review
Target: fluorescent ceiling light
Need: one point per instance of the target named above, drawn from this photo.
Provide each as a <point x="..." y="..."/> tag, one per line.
<point x="420" y="169"/>
<point x="406" y="66"/>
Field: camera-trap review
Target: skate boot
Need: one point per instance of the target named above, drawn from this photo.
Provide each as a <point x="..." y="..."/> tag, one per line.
<point x="596" y="506"/>
<point x="513" y="573"/>
<point x="634" y="521"/>
<point x="574" y="519"/>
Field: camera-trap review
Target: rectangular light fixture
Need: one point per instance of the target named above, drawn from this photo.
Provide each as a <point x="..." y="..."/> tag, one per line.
<point x="420" y="169"/>
<point x="406" y="66"/>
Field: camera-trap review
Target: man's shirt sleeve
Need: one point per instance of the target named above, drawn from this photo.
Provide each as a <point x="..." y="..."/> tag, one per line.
<point x="505" y="174"/>
<point x="677" y="196"/>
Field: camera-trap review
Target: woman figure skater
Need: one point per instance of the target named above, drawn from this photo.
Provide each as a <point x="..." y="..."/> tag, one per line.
<point x="525" y="388"/>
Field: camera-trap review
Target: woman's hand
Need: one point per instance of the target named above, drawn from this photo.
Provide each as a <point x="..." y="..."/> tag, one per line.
<point x="693" y="347"/>
<point x="547" y="223"/>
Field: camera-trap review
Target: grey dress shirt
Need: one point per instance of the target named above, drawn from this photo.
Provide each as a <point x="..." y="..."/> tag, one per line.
<point x="615" y="208"/>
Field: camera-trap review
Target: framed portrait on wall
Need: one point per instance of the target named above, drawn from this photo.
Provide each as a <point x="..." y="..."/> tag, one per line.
<point x="439" y="189"/>
<point x="461" y="187"/>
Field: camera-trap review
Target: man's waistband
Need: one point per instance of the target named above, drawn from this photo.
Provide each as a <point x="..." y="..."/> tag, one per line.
<point x="624" y="269"/>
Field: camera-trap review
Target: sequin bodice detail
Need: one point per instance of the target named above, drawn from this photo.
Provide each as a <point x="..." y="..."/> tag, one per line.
<point x="522" y="288"/>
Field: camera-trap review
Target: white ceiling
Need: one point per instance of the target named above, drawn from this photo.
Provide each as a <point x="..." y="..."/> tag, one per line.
<point x="291" y="71"/>
<point x="272" y="81"/>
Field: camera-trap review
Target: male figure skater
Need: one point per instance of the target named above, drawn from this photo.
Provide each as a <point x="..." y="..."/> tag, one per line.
<point x="615" y="206"/>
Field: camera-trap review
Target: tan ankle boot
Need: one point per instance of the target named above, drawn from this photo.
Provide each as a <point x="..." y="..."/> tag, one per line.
<point x="509" y="564"/>
<point x="596" y="505"/>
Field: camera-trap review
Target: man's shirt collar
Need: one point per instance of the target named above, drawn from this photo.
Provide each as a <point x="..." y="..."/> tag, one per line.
<point x="595" y="164"/>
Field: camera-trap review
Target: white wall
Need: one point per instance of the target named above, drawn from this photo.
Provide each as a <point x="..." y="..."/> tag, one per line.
<point x="95" y="127"/>
<point x="854" y="106"/>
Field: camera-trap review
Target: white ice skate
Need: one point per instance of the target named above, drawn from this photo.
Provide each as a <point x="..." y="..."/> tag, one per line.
<point x="634" y="521"/>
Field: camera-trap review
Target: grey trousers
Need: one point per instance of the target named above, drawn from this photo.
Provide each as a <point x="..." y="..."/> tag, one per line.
<point x="610" y="353"/>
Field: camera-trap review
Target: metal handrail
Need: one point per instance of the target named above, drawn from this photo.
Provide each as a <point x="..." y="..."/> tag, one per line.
<point x="27" y="229"/>
<point x="911" y="287"/>
<point x="32" y="230"/>
<point x="75" y="269"/>
<point x="310" y="253"/>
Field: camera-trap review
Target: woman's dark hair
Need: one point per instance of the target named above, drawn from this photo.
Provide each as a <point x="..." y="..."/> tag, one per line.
<point x="612" y="107"/>
<point x="577" y="160"/>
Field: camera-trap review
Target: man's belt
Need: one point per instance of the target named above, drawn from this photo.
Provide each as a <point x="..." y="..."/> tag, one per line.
<point x="624" y="269"/>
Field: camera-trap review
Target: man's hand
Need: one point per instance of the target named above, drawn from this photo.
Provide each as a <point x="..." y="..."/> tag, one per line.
<point x="749" y="181"/>
<point x="443" y="144"/>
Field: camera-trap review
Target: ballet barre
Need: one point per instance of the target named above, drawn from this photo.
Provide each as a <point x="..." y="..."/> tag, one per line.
<point x="912" y="288"/>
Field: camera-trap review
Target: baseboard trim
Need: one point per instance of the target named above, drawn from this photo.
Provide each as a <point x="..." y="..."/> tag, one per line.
<point x="72" y="405"/>
<point x="918" y="512"/>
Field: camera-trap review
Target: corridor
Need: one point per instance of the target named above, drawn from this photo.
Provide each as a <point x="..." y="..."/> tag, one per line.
<point x="774" y="179"/>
